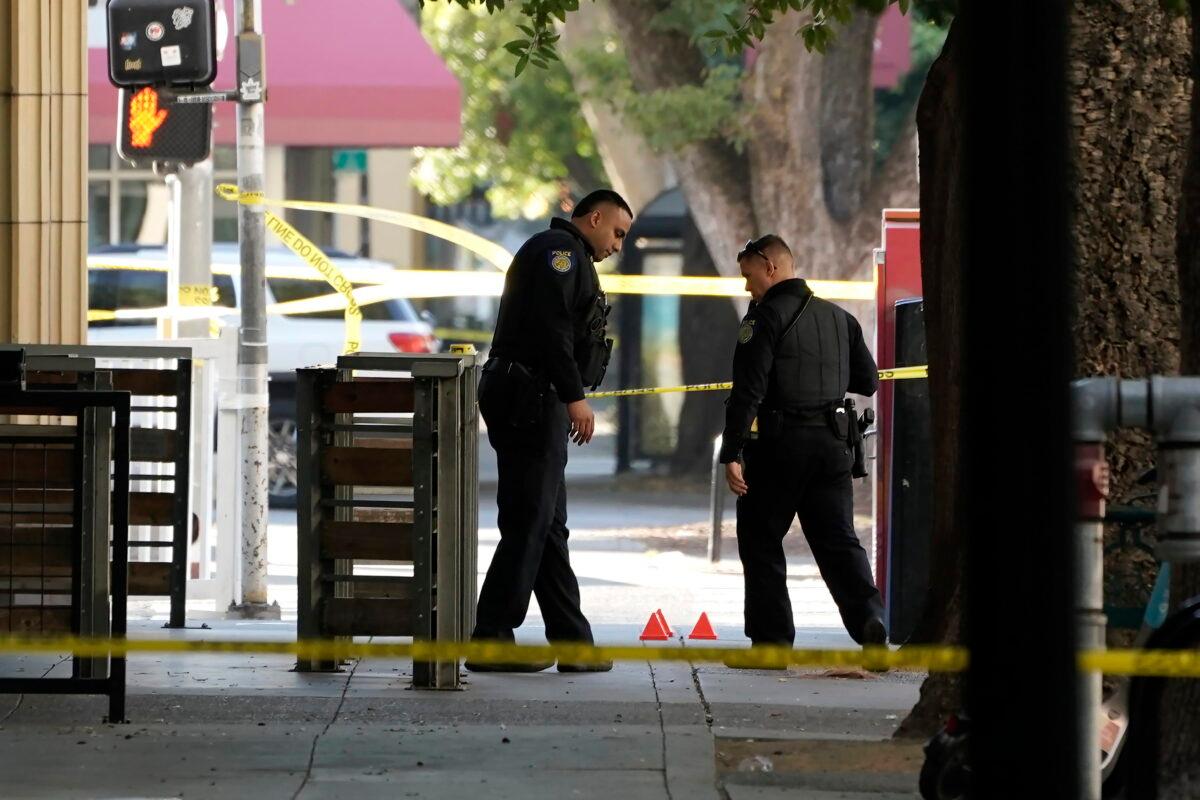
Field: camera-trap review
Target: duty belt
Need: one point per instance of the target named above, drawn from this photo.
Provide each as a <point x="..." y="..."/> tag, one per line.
<point x="812" y="418"/>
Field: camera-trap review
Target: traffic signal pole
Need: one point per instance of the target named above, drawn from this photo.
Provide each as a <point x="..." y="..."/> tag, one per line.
<point x="190" y="242"/>
<point x="252" y="335"/>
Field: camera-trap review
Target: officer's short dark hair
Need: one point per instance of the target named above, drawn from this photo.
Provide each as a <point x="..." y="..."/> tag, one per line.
<point x="597" y="198"/>
<point x="764" y="246"/>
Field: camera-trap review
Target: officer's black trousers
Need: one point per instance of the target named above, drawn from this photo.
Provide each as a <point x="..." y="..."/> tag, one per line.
<point x="532" y="555"/>
<point x="804" y="471"/>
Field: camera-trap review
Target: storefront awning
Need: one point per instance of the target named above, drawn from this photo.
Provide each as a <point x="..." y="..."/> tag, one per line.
<point x="340" y="74"/>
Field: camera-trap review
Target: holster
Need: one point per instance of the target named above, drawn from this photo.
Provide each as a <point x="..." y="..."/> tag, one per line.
<point x="594" y="349"/>
<point x="859" y="468"/>
<point x="521" y="392"/>
<point x="838" y="417"/>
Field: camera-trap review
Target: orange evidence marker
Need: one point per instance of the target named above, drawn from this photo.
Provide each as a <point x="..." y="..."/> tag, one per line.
<point x="703" y="629"/>
<point x="655" y="630"/>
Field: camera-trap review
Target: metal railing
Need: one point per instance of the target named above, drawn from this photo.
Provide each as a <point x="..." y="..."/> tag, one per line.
<point x="56" y="511"/>
<point x="160" y="446"/>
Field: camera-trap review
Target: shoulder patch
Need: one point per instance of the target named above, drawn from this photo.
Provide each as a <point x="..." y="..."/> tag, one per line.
<point x="746" y="331"/>
<point x="561" y="260"/>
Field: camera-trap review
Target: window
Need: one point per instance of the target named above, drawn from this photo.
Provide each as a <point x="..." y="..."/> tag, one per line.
<point x="113" y="289"/>
<point x="286" y="290"/>
<point x="99" y="206"/>
<point x="129" y="204"/>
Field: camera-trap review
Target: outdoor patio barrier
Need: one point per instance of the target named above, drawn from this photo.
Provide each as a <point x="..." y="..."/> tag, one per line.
<point x="387" y="515"/>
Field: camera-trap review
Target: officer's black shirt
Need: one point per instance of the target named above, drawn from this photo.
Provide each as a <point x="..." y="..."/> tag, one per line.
<point x="548" y="291"/>
<point x="754" y="374"/>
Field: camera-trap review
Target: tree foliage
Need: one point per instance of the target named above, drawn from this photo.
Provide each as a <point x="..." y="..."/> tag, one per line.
<point x="524" y="140"/>
<point x="735" y="26"/>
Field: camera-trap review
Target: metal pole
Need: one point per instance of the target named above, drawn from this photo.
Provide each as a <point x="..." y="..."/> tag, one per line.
<point x="193" y="191"/>
<point x="1091" y="490"/>
<point x="252" y="342"/>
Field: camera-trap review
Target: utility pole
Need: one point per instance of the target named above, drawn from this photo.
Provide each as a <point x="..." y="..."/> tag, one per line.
<point x="252" y="339"/>
<point x="190" y="240"/>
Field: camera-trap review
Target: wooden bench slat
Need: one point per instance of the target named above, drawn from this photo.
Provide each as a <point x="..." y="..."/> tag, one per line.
<point x="152" y="444"/>
<point x="382" y="541"/>
<point x="147" y="382"/>
<point x="360" y="466"/>
<point x="369" y="395"/>
<point x="34" y="560"/>
<point x="368" y="617"/>
<point x="26" y="467"/>
<point x="151" y="508"/>
<point x="33" y="520"/>
<point x="149" y="578"/>
<point x="35" y="620"/>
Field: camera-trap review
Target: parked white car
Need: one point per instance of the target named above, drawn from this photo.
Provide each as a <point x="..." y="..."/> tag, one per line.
<point x="293" y="340"/>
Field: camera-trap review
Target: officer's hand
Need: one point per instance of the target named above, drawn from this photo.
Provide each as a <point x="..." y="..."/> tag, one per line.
<point x="583" y="421"/>
<point x="733" y="476"/>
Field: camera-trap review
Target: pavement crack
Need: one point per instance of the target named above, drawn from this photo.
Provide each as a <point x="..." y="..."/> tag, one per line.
<point x="21" y="697"/>
<point x="312" y="754"/>
<point x="662" y="727"/>
<point x="708" y="715"/>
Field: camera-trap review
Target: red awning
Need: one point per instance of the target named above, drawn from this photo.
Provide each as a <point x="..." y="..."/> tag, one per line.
<point x="339" y="74"/>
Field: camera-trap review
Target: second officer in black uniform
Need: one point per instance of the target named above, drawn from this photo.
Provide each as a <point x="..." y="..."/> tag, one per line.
<point x="797" y="356"/>
<point x="548" y="346"/>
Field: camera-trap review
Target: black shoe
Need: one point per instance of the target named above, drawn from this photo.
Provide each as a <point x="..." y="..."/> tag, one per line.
<point x="593" y="666"/>
<point x="873" y="632"/>
<point x="529" y="666"/>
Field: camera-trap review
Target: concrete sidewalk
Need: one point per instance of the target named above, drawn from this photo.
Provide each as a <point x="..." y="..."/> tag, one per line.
<point x="249" y="727"/>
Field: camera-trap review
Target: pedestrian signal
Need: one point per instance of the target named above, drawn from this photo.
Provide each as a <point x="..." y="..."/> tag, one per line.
<point x="155" y="130"/>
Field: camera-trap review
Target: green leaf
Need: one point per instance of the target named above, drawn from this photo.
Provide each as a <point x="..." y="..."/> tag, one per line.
<point x="561" y="13"/>
<point x="904" y="5"/>
<point x="521" y="62"/>
<point x="714" y="34"/>
<point x="517" y="47"/>
<point x="528" y="31"/>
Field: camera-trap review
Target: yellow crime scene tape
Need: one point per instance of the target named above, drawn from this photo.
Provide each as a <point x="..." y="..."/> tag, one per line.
<point x="202" y="296"/>
<point x="313" y="255"/>
<point x="946" y="658"/>
<point x="897" y="374"/>
<point x="424" y="283"/>
<point x="430" y="283"/>
<point x="491" y="252"/>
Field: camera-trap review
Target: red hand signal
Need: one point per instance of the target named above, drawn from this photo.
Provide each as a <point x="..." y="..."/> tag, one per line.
<point x="145" y="117"/>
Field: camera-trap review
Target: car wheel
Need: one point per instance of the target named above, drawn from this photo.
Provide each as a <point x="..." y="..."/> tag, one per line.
<point x="282" y="456"/>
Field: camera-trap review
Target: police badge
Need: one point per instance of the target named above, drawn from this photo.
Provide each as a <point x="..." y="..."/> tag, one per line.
<point x="562" y="260"/>
<point x="746" y="332"/>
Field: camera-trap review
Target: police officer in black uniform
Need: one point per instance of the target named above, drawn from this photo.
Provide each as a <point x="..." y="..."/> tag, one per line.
<point x="548" y="346"/>
<point x="797" y="356"/>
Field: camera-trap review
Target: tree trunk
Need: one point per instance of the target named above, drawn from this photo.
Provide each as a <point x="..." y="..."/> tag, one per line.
<point x="1179" y="767"/>
<point x="707" y="332"/>
<point x="938" y="115"/>
<point x="806" y="169"/>
<point x="1129" y="100"/>
<point x="637" y="173"/>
